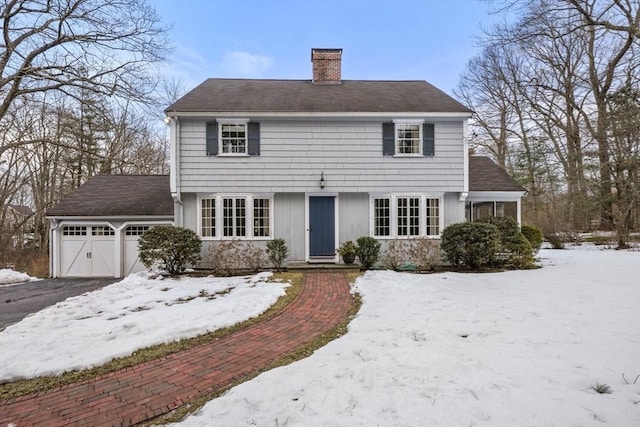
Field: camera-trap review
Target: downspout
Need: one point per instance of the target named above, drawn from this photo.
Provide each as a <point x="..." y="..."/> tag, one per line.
<point x="465" y="162"/>
<point x="54" y="224"/>
<point x="174" y="169"/>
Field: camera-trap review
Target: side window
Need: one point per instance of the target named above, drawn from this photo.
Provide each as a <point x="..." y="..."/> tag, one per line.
<point x="382" y="216"/>
<point x="208" y="217"/>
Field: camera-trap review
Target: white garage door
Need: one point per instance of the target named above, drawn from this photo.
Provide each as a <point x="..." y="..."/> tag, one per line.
<point x="132" y="262"/>
<point x="87" y="251"/>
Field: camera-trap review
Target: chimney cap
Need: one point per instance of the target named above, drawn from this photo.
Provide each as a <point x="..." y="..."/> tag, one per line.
<point x="325" y="50"/>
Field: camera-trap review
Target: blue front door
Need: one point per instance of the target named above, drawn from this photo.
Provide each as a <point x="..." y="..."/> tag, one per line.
<point x="322" y="226"/>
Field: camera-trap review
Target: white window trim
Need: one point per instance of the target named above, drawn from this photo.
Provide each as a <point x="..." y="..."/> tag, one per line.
<point x="393" y="215"/>
<point x="244" y="122"/>
<point x="400" y="122"/>
<point x="248" y="215"/>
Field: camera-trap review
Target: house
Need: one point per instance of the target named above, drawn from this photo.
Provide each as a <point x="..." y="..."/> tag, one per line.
<point x="321" y="161"/>
<point x="94" y="231"/>
<point x="315" y="162"/>
<point x="16" y="225"/>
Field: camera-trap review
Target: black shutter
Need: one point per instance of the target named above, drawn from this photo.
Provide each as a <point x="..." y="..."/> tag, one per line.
<point x="388" y="139"/>
<point x="428" y="140"/>
<point x="253" y="146"/>
<point x="212" y="138"/>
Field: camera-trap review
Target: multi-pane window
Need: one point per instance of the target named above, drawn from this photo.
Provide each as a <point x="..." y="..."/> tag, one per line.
<point x="102" y="231"/>
<point x="208" y="217"/>
<point x="408" y="138"/>
<point x="432" y="217"/>
<point x="136" y="230"/>
<point x="405" y="216"/>
<point x="234" y="217"/>
<point x="74" y="231"/>
<point x="381" y="217"/>
<point x="233" y="137"/>
<point x="408" y="216"/>
<point x="261" y="225"/>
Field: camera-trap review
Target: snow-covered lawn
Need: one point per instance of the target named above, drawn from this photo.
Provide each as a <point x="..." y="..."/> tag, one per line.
<point x="138" y="312"/>
<point x="521" y="348"/>
<point x="10" y="277"/>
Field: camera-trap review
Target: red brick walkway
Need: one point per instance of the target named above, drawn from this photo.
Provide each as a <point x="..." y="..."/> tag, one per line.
<point x="151" y="389"/>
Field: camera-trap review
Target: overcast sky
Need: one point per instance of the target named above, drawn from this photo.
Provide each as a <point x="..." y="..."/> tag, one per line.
<point x="381" y="39"/>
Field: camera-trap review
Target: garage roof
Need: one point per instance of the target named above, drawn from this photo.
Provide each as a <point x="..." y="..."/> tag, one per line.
<point x="485" y="175"/>
<point x="118" y="196"/>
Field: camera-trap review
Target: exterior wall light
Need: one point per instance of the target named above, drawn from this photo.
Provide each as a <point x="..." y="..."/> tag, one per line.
<point x="321" y="180"/>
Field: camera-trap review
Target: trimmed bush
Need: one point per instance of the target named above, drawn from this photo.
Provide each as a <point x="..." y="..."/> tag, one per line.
<point x="471" y="244"/>
<point x="507" y="226"/>
<point x="515" y="252"/>
<point x="368" y="251"/>
<point x="520" y="252"/>
<point x="173" y="248"/>
<point x="534" y="235"/>
<point x="277" y="252"/>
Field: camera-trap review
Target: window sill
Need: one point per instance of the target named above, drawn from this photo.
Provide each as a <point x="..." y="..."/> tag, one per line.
<point x="409" y="155"/>
<point x="406" y="237"/>
<point x="242" y="239"/>
<point x="232" y="155"/>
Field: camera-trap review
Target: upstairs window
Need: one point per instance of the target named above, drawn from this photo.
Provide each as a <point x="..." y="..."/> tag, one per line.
<point x="408" y="139"/>
<point x="233" y="138"/>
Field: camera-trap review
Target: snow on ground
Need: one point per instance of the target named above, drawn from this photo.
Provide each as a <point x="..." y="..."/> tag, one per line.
<point x="11" y="277"/>
<point x="519" y="348"/>
<point x="138" y="312"/>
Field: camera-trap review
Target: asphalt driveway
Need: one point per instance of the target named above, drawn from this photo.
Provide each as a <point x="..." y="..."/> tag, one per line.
<point x="18" y="301"/>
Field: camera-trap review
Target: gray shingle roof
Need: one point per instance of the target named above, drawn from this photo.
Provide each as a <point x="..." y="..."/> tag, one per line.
<point x="118" y="195"/>
<point x="355" y="96"/>
<point x="150" y="195"/>
<point x="21" y="209"/>
<point x="485" y="175"/>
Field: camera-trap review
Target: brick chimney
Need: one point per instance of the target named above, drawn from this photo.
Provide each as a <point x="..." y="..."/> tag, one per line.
<point x="326" y="66"/>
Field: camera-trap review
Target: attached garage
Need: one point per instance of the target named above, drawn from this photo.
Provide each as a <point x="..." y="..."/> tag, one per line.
<point x="87" y="251"/>
<point x="95" y="230"/>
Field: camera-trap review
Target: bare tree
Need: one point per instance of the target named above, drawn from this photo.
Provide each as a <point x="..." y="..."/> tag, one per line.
<point x="624" y="158"/>
<point x="561" y="62"/>
<point x="103" y="46"/>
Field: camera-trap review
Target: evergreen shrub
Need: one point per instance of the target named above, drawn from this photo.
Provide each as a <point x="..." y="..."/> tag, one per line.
<point x="172" y="248"/>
